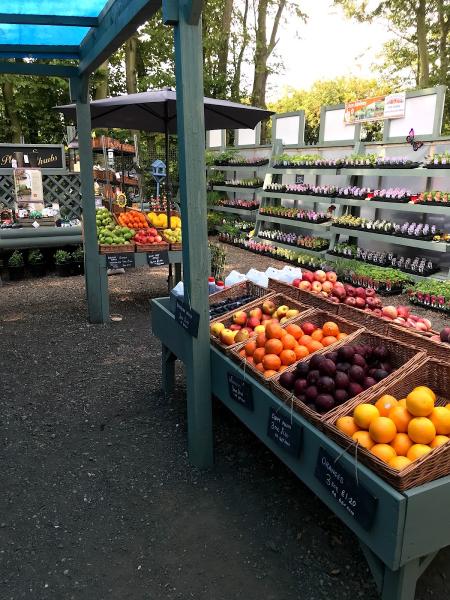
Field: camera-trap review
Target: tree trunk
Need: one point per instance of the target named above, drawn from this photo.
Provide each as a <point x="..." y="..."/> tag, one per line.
<point x="422" y="46"/>
<point x="222" y="53"/>
<point x="235" y="93"/>
<point x="11" y="111"/>
<point x="444" y="30"/>
<point x="260" y="60"/>
<point x="101" y="76"/>
<point x="130" y="64"/>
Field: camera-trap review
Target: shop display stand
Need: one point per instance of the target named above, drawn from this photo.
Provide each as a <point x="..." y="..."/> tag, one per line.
<point x="402" y="535"/>
<point x="234" y="191"/>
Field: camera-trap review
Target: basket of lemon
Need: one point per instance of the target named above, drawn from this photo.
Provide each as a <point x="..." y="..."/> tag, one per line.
<point x="159" y="219"/>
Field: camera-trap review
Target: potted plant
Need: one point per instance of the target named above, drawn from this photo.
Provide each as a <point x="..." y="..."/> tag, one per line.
<point x="78" y="261"/>
<point x="36" y="263"/>
<point x="16" y="266"/>
<point x="64" y="263"/>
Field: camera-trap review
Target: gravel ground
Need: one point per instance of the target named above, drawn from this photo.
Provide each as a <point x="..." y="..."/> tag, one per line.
<point x="98" y="500"/>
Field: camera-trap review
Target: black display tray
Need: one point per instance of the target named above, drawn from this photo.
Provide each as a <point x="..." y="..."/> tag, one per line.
<point x="258" y="163"/>
<point x="295" y="219"/>
<point x="427" y="238"/>
<point x="447" y="166"/>
<point x="427" y="272"/>
<point x="396" y="200"/>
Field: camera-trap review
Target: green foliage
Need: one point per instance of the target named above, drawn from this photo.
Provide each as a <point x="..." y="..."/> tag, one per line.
<point x="16" y="259"/>
<point x="218" y="260"/>
<point x="78" y="254"/>
<point x="35" y="257"/>
<point x="62" y="257"/>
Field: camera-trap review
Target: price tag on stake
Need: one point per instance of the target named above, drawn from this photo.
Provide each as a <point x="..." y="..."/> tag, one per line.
<point x="240" y="391"/>
<point x="342" y="485"/>
<point x="286" y="434"/>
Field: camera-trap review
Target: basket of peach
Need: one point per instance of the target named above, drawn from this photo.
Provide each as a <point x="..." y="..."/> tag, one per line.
<point x="403" y="431"/>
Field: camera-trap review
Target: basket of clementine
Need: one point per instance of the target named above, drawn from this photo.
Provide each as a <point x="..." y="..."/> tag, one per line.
<point x="402" y="431"/>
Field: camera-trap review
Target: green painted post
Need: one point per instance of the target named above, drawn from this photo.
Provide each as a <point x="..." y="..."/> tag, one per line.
<point x="191" y="148"/>
<point x="98" y="310"/>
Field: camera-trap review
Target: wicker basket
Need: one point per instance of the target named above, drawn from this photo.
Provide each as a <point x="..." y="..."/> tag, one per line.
<point x="109" y="249"/>
<point x="242" y="288"/>
<point x="283" y="288"/>
<point x="433" y="465"/>
<point x="227" y="318"/>
<point x="434" y="349"/>
<point x="152" y="247"/>
<point x="366" y="320"/>
<point x="176" y="247"/>
<point x="403" y="356"/>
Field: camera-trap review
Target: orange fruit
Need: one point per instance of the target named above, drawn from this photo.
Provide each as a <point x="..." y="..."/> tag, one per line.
<point x="399" y="462"/>
<point x="383" y="451"/>
<point x="401" y="417"/>
<point x="289" y="342"/>
<point x="261" y="340"/>
<point x="269" y="373"/>
<point x="282" y="368"/>
<point x="288" y="357"/>
<point x="440" y="417"/>
<point x="347" y="425"/>
<point x="385" y="403"/>
<point x="417" y="451"/>
<point x="250" y="360"/>
<point x="401" y="444"/>
<point x="250" y="347"/>
<point x="258" y="355"/>
<point x="420" y="403"/>
<point x="301" y="352"/>
<point x="283" y="333"/>
<point x="447" y="406"/>
<point x="305" y="340"/>
<point x="427" y="390"/>
<point x="271" y="362"/>
<point x="242" y="352"/>
<point x="259" y="367"/>
<point x="328" y="340"/>
<point x="314" y="346"/>
<point x="294" y="330"/>
<point x="402" y="402"/>
<point x="439" y="440"/>
<point x="330" y="328"/>
<point x="364" y="414"/>
<point x="273" y="330"/>
<point x="341" y="336"/>
<point x="421" y="430"/>
<point x="274" y="346"/>
<point x="363" y="439"/>
<point x="317" y="335"/>
<point x="382" y="430"/>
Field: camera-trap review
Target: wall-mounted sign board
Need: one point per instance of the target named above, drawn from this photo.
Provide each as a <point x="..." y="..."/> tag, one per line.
<point x="42" y="156"/>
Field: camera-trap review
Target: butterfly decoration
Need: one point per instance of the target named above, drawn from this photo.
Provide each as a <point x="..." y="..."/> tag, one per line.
<point x="410" y="139"/>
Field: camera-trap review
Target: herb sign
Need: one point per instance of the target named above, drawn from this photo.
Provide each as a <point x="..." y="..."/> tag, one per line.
<point x="121" y="260"/>
<point x="158" y="259"/>
<point x="285" y="434"/>
<point x="240" y="391"/>
<point x="343" y="487"/>
<point x="187" y="318"/>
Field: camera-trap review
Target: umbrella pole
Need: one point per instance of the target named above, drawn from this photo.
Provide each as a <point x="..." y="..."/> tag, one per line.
<point x="168" y="190"/>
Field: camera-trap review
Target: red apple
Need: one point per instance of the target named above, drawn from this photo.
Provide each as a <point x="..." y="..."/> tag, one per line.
<point x="370" y="292"/>
<point x="227" y="336"/>
<point x="308" y="328"/>
<point x="240" y="317"/>
<point x="256" y="313"/>
<point x="421" y="326"/>
<point x="360" y="292"/>
<point x="377" y="312"/>
<point x="296" y="282"/>
<point x="253" y="322"/>
<point x="327" y="286"/>
<point x="316" y="287"/>
<point x="331" y="276"/>
<point x="307" y="276"/>
<point x="266" y="318"/>
<point x="403" y="311"/>
<point x="304" y="285"/>
<point x="235" y="327"/>
<point x="390" y="312"/>
<point x="360" y="302"/>
<point x="350" y="301"/>
<point x="320" y="275"/>
<point x="268" y="307"/>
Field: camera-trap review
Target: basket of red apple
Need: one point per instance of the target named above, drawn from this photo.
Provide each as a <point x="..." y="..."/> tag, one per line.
<point x="149" y="239"/>
<point x="251" y="319"/>
<point x="318" y="387"/>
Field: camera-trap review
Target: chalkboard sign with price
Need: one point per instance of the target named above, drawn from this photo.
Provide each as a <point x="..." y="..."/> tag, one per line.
<point x="283" y="432"/>
<point x="299" y="179"/>
<point x="158" y="259"/>
<point x="240" y="391"/>
<point x="121" y="260"/>
<point x="343" y="487"/>
<point x="187" y="318"/>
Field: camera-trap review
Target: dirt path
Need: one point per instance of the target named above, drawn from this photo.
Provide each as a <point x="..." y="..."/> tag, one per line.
<point x="98" y="500"/>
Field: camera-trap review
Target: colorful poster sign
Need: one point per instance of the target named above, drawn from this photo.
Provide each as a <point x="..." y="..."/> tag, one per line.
<point x="29" y="189"/>
<point x="376" y="108"/>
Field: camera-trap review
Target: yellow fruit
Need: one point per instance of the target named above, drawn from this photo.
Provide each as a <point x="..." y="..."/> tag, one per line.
<point x="399" y="462"/>
<point x="421" y="430"/>
<point x="447" y="406"/>
<point x="402" y="402"/>
<point x="417" y="451"/>
<point x="382" y="430"/>
<point x="385" y="404"/>
<point x="364" y="414"/>
<point x="363" y="439"/>
<point x="427" y="390"/>
<point x="439" y="440"/>
<point x="440" y="417"/>
<point x="420" y="403"/>
<point x="383" y="451"/>
<point x="348" y="426"/>
<point x="401" y="444"/>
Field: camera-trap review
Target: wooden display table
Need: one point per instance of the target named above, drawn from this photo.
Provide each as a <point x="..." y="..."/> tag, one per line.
<point x="399" y="532"/>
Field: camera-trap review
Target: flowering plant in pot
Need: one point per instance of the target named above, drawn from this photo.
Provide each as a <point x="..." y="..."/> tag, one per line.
<point x="64" y="263"/>
<point x="36" y="264"/>
<point x="16" y="266"/>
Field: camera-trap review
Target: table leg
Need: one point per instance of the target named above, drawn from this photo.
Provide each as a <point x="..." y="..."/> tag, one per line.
<point x="104" y="291"/>
<point x="168" y="370"/>
<point x="177" y="272"/>
<point x="401" y="584"/>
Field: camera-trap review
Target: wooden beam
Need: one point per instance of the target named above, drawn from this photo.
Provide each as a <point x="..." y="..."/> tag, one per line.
<point x="39" y="69"/>
<point x="117" y="22"/>
<point x="38" y="51"/>
<point x="69" y="21"/>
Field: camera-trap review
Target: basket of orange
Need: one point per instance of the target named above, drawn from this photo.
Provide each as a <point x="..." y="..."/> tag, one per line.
<point x="134" y="219"/>
<point x="402" y="432"/>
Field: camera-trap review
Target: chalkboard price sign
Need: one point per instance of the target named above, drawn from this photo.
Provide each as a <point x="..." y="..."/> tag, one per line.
<point x="343" y="487"/>
<point x="187" y="318"/>
<point x="285" y="434"/>
<point x="299" y="179"/>
<point x="158" y="259"/>
<point x="240" y="391"/>
<point x="121" y="260"/>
